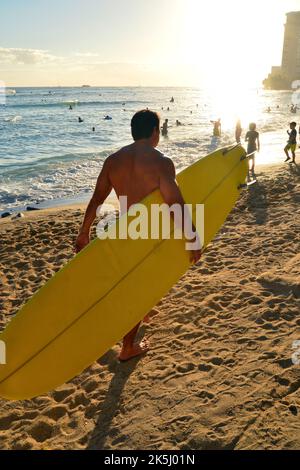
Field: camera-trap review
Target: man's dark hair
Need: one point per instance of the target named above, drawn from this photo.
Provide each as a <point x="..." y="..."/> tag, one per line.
<point x="143" y="124"/>
<point x="293" y="124"/>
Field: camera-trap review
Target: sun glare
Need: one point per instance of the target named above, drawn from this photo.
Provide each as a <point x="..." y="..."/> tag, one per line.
<point x="227" y="44"/>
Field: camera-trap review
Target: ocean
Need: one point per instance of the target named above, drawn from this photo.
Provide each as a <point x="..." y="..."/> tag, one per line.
<point x="48" y="157"/>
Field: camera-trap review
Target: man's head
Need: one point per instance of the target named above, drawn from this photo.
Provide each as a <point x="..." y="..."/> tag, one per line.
<point x="145" y="124"/>
<point x="293" y="125"/>
<point x="252" y="126"/>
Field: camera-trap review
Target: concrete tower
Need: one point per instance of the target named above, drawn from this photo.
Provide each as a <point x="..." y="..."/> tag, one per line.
<point x="290" y="67"/>
<point x="282" y="77"/>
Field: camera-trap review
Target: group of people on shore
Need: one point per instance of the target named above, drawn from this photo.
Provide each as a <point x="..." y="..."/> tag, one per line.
<point x="252" y="137"/>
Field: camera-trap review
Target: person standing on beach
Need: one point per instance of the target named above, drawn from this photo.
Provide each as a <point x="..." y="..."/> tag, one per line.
<point x="252" y="137"/>
<point x="238" y="131"/>
<point x="135" y="171"/>
<point x="292" y="143"/>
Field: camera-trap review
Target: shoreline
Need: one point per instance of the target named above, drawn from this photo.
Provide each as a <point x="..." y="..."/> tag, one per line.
<point x="81" y="201"/>
<point x="55" y="206"/>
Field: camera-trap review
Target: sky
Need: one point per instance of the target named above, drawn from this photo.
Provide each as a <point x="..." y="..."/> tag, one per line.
<point x="140" y="42"/>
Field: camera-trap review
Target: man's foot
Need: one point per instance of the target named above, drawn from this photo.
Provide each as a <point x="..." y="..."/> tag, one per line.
<point x="293" y="161"/>
<point x="150" y="315"/>
<point x="287" y="159"/>
<point x="137" y="349"/>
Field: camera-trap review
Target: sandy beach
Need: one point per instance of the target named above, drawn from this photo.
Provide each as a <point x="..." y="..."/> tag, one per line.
<point x="219" y="374"/>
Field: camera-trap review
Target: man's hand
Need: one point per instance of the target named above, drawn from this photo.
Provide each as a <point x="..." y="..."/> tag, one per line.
<point x="82" y="241"/>
<point x="195" y="256"/>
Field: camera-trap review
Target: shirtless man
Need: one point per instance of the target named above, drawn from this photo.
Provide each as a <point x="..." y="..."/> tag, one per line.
<point x="135" y="171"/>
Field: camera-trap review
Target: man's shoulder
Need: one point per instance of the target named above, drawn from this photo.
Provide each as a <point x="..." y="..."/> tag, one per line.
<point x="118" y="154"/>
<point x="163" y="159"/>
<point x="158" y="154"/>
<point x="121" y="151"/>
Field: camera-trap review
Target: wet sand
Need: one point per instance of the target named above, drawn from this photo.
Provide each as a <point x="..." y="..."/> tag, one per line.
<point x="220" y="373"/>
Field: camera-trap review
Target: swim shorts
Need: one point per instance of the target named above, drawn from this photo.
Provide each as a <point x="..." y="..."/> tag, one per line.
<point x="291" y="147"/>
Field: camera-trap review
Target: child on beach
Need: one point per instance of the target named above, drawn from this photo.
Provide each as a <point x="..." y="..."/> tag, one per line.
<point x="252" y="137"/>
<point x="292" y="143"/>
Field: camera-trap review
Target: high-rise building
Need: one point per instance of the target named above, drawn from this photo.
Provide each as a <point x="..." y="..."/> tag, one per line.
<point x="291" y="49"/>
<point x="282" y="77"/>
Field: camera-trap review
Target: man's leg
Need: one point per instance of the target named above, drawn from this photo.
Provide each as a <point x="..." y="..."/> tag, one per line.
<point x="250" y="168"/>
<point x="150" y="315"/>
<point x="253" y="165"/>
<point x="131" y="349"/>
<point x="286" y="150"/>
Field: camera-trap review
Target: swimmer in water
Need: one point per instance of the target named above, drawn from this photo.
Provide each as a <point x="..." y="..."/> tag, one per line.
<point x="217" y="128"/>
<point x="80" y="119"/>
<point x="238" y="131"/>
<point x="164" y="130"/>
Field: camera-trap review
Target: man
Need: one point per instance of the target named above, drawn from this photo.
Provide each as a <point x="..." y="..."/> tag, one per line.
<point x="292" y="143"/>
<point x="135" y="171"/>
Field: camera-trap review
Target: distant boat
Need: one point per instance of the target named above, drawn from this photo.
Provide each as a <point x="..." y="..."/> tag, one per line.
<point x="7" y="91"/>
<point x="71" y="102"/>
<point x="86" y="86"/>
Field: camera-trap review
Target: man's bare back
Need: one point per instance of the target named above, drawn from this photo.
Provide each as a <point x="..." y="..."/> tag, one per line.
<point x="134" y="171"/>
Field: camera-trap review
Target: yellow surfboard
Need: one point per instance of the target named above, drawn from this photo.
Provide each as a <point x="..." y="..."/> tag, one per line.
<point x="100" y="295"/>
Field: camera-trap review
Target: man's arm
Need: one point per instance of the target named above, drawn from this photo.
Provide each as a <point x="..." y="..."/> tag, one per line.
<point x="258" y="144"/>
<point x="172" y="195"/>
<point x="102" y="190"/>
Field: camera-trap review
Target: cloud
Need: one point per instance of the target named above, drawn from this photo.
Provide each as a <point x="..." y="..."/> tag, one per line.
<point x="86" y="54"/>
<point x="25" y="56"/>
<point x="36" y="67"/>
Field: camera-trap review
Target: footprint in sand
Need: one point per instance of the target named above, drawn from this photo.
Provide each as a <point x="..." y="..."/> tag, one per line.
<point x="91" y="385"/>
<point x="185" y="368"/>
<point x="41" y="431"/>
<point x="79" y="399"/>
<point x="56" y="412"/>
<point x="204" y="367"/>
<point x="205" y="395"/>
<point x="60" y="395"/>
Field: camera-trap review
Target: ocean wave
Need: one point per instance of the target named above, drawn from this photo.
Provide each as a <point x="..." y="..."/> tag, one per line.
<point x="13" y="119"/>
<point x="21" y="169"/>
<point x="76" y="104"/>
